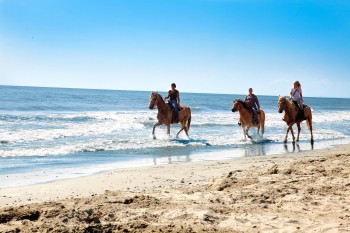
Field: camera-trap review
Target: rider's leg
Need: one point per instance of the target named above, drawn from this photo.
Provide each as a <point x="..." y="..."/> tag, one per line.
<point x="255" y="115"/>
<point x="176" y="109"/>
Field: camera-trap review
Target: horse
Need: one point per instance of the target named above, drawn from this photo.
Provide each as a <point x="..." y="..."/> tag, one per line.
<point x="165" y="115"/>
<point x="246" y="116"/>
<point x="291" y="113"/>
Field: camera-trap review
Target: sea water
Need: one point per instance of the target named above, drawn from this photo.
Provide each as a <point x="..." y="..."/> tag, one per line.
<point x="56" y="133"/>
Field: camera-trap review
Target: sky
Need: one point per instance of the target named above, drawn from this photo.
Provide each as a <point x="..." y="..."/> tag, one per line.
<point x="206" y="46"/>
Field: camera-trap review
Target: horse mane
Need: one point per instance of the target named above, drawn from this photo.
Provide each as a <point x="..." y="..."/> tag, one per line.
<point x="159" y="95"/>
<point x="285" y="98"/>
<point x="288" y="101"/>
<point x="243" y="103"/>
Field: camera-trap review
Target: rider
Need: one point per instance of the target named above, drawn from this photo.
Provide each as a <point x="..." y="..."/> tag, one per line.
<point x="252" y="101"/>
<point x="174" y="96"/>
<point x="297" y="95"/>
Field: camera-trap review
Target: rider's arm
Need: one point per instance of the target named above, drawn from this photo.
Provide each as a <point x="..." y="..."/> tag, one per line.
<point x="166" y="97"/>
<point x="257" y="102"/>
<point x="301" y="96"/>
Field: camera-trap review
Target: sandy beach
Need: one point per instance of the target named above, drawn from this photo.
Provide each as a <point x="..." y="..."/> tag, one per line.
<point x="304" y="192"/>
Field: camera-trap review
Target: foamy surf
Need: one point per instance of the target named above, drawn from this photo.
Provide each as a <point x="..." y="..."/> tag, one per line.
<point x="93" y="128"/>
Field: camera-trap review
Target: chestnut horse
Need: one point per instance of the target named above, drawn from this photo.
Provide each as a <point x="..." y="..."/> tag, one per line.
<point x="291" y="117"/>
<point x="165" y="114"/>
<point x="246" y="116"/>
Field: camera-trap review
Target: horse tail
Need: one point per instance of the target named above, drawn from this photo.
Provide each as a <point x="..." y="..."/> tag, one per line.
<point x="262" y="122"/>
<point x="189" y="121"/>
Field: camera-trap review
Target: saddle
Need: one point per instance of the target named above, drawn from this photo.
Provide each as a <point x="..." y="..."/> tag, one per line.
<point x="173" y="110"/>
<point x="300" y="116"/>
<point x="255" y="118"/>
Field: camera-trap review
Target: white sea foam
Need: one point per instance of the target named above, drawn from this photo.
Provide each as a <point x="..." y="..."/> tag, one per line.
<point x="57" y="134"/>
<point x="104" y="123"/>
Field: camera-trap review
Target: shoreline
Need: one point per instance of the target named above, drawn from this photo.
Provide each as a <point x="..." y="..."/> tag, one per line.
<point x="305" y="191"/>
<point x="44" y="176"/>
<point x="22" y="192"/>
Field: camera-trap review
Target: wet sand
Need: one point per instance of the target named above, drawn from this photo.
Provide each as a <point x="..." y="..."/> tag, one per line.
<point x="306" y="192"/>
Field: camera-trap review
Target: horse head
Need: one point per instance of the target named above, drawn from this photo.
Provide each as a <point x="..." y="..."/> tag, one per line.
<point x="153" y="100"/>
<point x="237" y="105"/>
<point x="281" y="103"/>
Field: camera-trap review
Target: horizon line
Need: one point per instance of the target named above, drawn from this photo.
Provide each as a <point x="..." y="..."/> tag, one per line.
<point x="105" y="89"/>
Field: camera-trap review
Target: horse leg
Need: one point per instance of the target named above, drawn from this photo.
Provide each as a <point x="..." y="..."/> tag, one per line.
<point x="291" y="129"/>
<point x="285" y="138"/>
<point x="186" y="131"/>
<point x="177" y="135"/>
<point x="262" y="123"/>
<point x="154" y="128"/>
<point x="262" y="129"/>
<point x="298" y="125"/>
<point x="168" y="130"/>
<point x="309" y="125"/>
<point x="247" y="133"/>
<point x="245" y="136"/>
<point x="182" y="128"/>
<point x="185" y="128"/>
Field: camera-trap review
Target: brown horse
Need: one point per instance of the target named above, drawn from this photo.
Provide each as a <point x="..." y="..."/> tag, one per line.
<point x="291" y="117"/>
<point x="165" y="114"/>
<point x="246" y="116"/>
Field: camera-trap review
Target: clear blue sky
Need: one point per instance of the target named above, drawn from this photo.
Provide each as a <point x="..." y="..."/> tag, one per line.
<point x="216" y="46"/>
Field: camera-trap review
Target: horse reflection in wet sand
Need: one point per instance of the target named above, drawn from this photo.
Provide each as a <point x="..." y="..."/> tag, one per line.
<point x="246" y="117"/>
<point x="291" y="113"/>
<point x="165" y="115"/>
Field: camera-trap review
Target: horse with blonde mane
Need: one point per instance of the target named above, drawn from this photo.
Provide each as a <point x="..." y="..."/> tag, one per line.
<point x="246" y="117"/>
<point x="166" y="117"/>
<point x="291" y="117"/>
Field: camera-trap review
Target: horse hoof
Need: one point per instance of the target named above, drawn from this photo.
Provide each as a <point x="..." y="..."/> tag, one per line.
<point x="312" y="141"/>
<point x="285" y="141"/>
<point x="154" y="138"/>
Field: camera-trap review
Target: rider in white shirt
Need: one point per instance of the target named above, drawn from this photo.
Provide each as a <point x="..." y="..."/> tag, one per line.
<point x="297" y="95"/>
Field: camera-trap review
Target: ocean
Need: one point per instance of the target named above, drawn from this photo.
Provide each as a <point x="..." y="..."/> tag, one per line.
<point x="48" y="134"/>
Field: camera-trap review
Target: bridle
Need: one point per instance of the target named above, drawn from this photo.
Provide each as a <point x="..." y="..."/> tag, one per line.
<point x="281" y="103"/>
<point x="237" y="105"/>
<point x="154" y="99"/>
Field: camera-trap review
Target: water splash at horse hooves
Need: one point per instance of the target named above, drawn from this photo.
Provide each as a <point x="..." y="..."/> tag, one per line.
<point x="189" y="140"/>
<point x="261" y="140"/>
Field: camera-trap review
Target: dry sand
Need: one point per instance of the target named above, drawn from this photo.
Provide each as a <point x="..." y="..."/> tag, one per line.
<point x="304" y="192"/>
